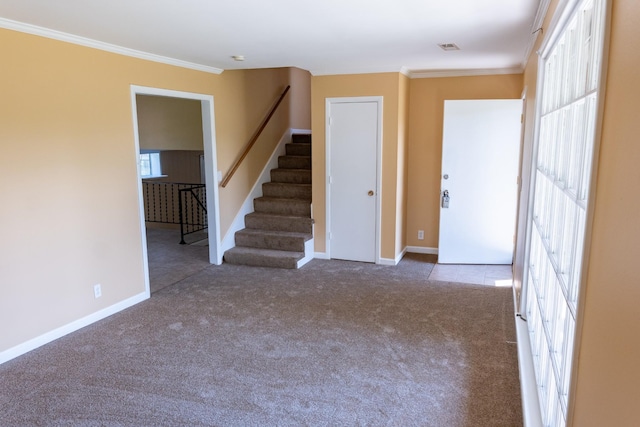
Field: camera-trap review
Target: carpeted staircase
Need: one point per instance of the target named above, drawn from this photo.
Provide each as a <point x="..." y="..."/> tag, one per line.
<point x="280" y="228"/>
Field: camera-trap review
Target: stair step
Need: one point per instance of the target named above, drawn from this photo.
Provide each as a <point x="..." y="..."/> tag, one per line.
<point x="294" y="207"/>
<point x="294" y="176"/>
<point x="298" y="149"/>
<point x="278" y="240"/>
<point x="300" y="137"/>
<point x="263" y="257"/>
<point x="294" y="162"/>
<point x="273" y="222"/>
<point x="286" y="190"/>
<point x="280" y="231"/>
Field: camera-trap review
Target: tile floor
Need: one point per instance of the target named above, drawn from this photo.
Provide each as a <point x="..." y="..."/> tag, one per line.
<point x="492" y="275"/>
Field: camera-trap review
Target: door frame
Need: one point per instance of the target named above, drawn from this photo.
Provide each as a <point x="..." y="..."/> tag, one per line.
<point x="211" y="168"/>
<point x="378" y="190"/>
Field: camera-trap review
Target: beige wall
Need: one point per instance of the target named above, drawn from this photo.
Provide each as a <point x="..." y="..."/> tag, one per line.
<point x="426" y="108"/>
<point x="181" y="166"/>
<point x="300" y="94"/>
<point x="608" y="379"/>
<point x="166" y="123"/>
<point x="386" y="85"/>
<point x="243" y="101"/>
<point x="402" y="165"/>
<point x="67" y="136"/>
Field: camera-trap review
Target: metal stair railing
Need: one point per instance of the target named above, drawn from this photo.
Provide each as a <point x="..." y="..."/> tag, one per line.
<point x="177" y="203"/>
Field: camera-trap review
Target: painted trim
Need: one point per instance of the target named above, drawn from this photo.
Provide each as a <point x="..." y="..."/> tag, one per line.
<point x="427" y="74"/>
<point x="228" y="241"/>
<point x="211" y="168"/>
<point x="531" y="416"/>
<point x="605" y="44"/>
<point x="393" y="262"/>
<point x="308" y="253"/>
<point x="563" y="13"/>
<point x="422" y="250"/>
<point x="543" y="7"/>
<point x="141" y="214"/>
<point x="60" y="332"/>
<point x="358" y="70"/>
<point x="321" y="255"/>
<point x="422" y="74"/>
<point x="359" y="99"/>
<point x="107" y="47"/>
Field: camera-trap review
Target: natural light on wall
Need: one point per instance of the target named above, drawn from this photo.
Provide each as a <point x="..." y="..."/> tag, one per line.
<point x="569" y="82"/>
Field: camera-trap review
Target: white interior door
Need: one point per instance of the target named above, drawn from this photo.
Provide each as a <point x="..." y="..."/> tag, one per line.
<point x="480" y="153"/>
<point x="353" y="145"/>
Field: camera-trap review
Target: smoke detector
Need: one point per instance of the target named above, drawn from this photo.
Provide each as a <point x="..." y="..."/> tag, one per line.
<point x="448" y="46"/>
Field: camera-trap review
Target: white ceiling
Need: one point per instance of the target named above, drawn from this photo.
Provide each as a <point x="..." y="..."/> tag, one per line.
<point x="322" y="36"/>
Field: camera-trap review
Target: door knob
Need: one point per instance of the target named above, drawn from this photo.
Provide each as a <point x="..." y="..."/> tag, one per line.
<point x="370" y="193"/>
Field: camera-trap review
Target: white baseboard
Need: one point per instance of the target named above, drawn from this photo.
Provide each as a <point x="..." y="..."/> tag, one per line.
<point x="53" y="335"/>
<point x="528" y="388"/>
<point x="308" y="252"/>
<point x="228" y="241"/>
<point x="422" y="250"/>
<point x="531" y="416"/>
<point x="321" y="255"/>
<point x="393" y="262"/>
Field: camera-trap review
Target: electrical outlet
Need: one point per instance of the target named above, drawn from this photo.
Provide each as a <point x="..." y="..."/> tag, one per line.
<point x="97" y="290"/>
<point x="420" y="234"/>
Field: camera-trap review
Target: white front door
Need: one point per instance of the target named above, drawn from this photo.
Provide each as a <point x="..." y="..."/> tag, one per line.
<point x="353" y="143"/>
<point x="480" y="154"/>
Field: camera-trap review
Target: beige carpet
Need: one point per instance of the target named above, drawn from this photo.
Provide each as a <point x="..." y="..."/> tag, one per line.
<point x="333" y="344"/>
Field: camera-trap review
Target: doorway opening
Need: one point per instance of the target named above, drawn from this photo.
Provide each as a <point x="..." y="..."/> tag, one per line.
<point x="209" y="173"/>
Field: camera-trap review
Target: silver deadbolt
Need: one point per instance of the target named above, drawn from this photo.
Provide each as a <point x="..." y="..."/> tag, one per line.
<point x="445" y="199"/>
<point x="370" y="193"/>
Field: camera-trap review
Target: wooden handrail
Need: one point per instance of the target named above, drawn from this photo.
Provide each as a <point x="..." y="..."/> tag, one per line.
<point x="253" y="140"/>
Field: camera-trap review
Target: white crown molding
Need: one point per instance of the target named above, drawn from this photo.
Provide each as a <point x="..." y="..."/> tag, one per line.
<point x="543" y="8"/>
<point x="95" y="44"/>
<point x="358" y="70"/>
<point x="405" y="71"/>
<point x="427" y="74"/>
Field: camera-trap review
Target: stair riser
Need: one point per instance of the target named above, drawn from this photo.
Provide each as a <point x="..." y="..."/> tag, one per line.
<point x="291" y="176"/>
<point x="291" y="207"/>
<point x="282" y="243"/>
<point x="301" y="149"/>
<point x="294" y="162"/>
<point x="297" y="137"/>
<point x="287" y="191"/>
<point x="260" y="261"/>
<point x="299" y="225"/>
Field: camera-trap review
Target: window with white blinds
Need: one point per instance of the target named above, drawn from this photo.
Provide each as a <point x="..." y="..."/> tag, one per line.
<point x="569" y="71"/>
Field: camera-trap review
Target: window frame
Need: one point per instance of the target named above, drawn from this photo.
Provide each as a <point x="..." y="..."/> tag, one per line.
<point x="561" y="23"/>
<point x="155" y="164"/>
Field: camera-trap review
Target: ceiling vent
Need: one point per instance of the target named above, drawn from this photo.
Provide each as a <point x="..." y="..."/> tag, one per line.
<point x="448" y="46"/>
